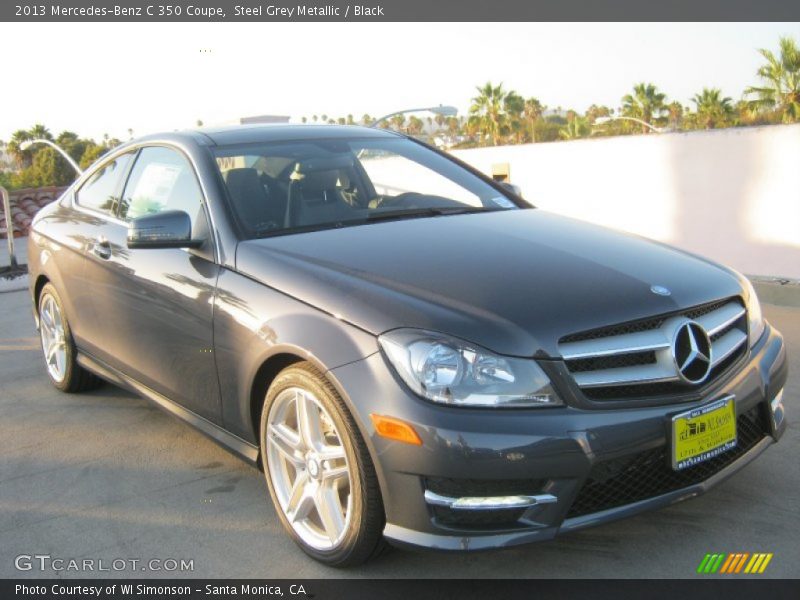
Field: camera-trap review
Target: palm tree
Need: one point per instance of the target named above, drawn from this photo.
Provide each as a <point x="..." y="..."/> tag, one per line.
<point x="747" y="114"/>
<point x="533" y="111"/>
<point x="713" y="110"/>
<point x="781" y="76"/>
<point x="22" y="157"/>
<point x="415" y="126"/>
<point x="398" y="121"/>
<point x="675" y="114"/>
<point x="487" y="111"/>
<point x="514" y="108"/>
<point x="41" y="132"/>
<point x="453" y="126"/>
<point x="576" y="127"/>
<point x="594" y="112"/>
<point x="646" y="103"/>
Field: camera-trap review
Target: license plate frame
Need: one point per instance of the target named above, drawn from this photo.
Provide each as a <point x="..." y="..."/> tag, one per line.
<point x="702" y="433"/>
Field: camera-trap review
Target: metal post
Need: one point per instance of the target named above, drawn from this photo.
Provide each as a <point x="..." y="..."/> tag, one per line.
<point x="28" y="143"/>
<point x="9" y="227"/>
<point x="448" y="111"/>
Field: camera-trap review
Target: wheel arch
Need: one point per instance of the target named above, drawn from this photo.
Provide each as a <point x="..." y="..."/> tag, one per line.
<point x="269" y="369"/>
<point x="41" y="281"/>
<point x="262" y="379"/>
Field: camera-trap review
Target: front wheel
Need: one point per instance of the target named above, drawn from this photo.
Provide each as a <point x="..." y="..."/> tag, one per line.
<point x="59" y="347"/>
<point x="319" y="473"/>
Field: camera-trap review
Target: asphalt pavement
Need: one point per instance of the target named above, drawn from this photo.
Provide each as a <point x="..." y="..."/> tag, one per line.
<point x="107" y="476"/>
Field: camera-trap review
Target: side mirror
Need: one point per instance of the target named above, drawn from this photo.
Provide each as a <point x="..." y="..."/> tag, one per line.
<point x="168" y="229"/>
<point x="514" y="189"/>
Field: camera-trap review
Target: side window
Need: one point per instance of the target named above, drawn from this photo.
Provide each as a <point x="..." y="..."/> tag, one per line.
<point x="99" y="191"/>
<point x="162" y="179"/>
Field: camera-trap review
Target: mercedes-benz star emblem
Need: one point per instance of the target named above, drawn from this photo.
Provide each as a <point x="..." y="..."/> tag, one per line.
<point x="660" y="290"/>
<point x="691" y="350"/>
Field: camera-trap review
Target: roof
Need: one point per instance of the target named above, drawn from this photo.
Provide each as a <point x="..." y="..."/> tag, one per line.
<point x="247" y="134"/>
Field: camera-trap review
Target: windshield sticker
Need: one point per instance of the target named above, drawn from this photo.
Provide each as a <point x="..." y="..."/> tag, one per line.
<point x="503" y="202"/>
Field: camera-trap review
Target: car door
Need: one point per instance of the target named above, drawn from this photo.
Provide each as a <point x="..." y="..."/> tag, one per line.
<point x="156" y="305"/>
<point x="93" y="207"/>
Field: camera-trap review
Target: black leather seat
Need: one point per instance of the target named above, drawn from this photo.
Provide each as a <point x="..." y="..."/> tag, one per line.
<point x="254" y="207"/>
<point x="316" y="198"/>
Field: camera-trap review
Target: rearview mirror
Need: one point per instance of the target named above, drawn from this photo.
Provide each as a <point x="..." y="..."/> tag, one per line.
<point x="168" y="229"/>
<point x="323" y="163"/>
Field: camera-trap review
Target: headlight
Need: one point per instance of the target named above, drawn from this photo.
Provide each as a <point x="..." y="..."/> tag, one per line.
<point x="755" y="320"/>
<point x="451" y="371"/>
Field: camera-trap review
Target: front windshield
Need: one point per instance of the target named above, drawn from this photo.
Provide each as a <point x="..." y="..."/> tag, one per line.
<point x="290" y="187"/>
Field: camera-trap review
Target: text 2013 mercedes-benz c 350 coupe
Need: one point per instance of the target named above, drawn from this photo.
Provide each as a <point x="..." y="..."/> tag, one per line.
<point x="410" y="351"/>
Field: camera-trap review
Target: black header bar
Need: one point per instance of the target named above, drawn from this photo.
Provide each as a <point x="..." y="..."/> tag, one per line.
<point x="397" y="10"/>
<point x="402" y="589"/>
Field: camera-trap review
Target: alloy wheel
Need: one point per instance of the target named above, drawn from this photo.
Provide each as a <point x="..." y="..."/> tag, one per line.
<point x="309" y="469"/>
<point x="54" y="344"/>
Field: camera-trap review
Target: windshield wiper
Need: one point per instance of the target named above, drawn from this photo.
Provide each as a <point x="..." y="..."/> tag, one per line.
<point x="432" y="211"/>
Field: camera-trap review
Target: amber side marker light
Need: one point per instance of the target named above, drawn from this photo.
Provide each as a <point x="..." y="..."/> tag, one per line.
<point x="395" y="429"/>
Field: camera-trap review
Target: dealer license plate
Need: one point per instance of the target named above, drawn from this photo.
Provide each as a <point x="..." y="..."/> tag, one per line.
<point x="703" y="433"/>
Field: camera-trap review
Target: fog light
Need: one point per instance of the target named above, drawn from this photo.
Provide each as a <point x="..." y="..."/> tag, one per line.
<point x="777" y="411"/>
<point x="777" y="402"/>
<point x="489" y="502"/>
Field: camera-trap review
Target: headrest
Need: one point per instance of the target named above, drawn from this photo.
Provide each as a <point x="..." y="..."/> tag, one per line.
<point x="241" y="178"/>
<point x="320" y="180"/>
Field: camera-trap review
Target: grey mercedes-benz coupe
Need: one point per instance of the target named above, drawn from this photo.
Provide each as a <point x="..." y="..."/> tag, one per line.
<point x="408" y="349"/>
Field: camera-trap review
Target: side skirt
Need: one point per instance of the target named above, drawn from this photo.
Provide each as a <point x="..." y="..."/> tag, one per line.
<point x="227" y="440"/>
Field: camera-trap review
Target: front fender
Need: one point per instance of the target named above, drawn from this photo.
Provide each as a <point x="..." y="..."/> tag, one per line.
<point x="254" y="324"/>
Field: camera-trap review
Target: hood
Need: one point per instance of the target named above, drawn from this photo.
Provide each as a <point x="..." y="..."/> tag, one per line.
<point x="514" y="282"/>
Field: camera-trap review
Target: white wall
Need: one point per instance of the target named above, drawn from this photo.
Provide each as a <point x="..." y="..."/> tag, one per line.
<point x="732" y="195"/>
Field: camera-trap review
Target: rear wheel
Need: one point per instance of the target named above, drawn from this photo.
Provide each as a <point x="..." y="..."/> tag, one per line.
<point x="59" y="347"/>
<point x="318" y="470"/>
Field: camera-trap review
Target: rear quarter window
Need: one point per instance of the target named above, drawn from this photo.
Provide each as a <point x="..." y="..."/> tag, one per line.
<point x="101" y="191"/>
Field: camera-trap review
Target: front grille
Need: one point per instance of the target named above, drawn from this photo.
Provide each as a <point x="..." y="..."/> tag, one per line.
<point x="660" y="389"/>
<point x="634" y="359"/>
<point x="642" y="324"/>
<point x="615" y="361"/>
<point x="630" y="479"/>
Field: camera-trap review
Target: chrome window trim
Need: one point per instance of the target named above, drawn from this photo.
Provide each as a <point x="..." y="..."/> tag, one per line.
<point x="87" y="175"/>
<point x="136" y="147"/>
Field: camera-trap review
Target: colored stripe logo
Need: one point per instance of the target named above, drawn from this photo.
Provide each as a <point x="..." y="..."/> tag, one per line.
<point x="734" y="563"/>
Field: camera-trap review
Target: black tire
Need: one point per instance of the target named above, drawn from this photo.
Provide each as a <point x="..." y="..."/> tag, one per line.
<point x="76" y="378"/>
<point x="364" y="539"/>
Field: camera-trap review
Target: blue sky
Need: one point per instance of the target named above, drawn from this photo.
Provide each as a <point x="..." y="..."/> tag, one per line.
<point x="107" y="78"/>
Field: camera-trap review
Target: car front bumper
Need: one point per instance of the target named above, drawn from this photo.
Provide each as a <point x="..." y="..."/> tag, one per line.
<point x="599" y="465"/>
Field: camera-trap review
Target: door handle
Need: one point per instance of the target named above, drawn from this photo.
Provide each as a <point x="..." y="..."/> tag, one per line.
<point x="101" y="247"/>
